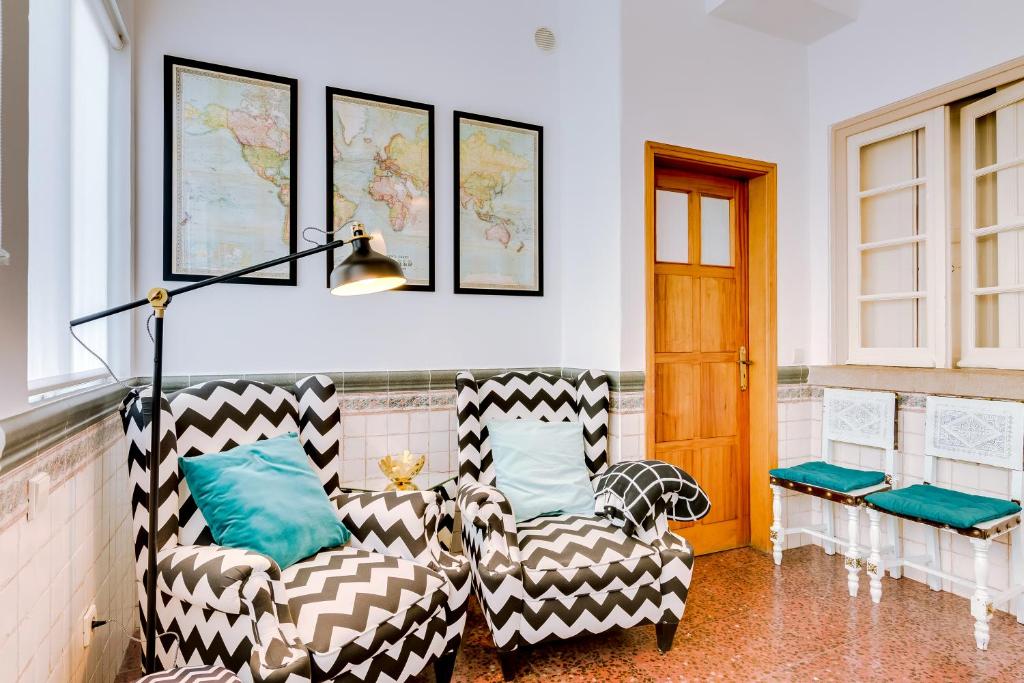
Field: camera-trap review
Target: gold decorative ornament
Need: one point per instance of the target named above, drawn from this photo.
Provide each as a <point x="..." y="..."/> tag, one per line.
<point x="400" y="469"/>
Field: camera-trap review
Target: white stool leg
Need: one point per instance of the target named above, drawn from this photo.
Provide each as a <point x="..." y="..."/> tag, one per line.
<point x="896" y="569"/>
<point x="853" y="552"/>
<point x="830" y="530"/>
<point x="934" y="582"/>
<point x="980" y="601"/>
<point x="777" y="533"/>
<point x="1017" y="569"/>
<point x="875" y="569"/>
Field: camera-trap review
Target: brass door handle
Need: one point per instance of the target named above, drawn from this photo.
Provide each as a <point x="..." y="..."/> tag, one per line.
<point x="744" y="363"/>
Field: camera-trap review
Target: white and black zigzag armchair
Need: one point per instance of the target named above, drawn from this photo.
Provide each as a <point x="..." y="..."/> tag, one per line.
<point x="380" y="608"/>
<point x="559" y="576"/>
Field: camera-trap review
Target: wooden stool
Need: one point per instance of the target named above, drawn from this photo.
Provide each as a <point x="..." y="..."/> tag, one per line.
<point x="863" y="418"/>
<point x="984" y="432"/>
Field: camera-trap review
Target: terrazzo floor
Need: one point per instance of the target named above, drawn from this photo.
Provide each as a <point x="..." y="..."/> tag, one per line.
<point x="748" y="620"/>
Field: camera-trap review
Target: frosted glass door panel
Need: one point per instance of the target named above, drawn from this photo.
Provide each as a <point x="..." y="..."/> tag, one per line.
<point x="715" y="232"/>
<point x="672" y="226"/>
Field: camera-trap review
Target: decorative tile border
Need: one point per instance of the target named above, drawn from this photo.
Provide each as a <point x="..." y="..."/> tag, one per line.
<point x="60" y="462"/>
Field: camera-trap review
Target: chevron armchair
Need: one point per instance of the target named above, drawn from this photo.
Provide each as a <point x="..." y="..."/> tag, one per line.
<point x="383" y="607"/>
<point x="565" y="575"/>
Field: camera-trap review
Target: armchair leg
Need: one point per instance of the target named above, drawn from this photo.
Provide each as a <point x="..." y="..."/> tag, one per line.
<point x="509" y="664"/>
<point x="444" y="666"/>
<point x="666" y="631"/>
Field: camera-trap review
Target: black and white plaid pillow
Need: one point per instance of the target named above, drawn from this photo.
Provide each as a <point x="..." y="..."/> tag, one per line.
<point x="630" y="490"/>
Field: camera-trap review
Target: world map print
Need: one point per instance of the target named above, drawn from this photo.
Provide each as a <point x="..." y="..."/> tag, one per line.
<point x="380" y="176"/>
<point x="499" y="206"/>
<point x="232" y="183"/>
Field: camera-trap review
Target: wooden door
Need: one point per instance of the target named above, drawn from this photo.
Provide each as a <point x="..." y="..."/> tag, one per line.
<point x="697" y="329"/>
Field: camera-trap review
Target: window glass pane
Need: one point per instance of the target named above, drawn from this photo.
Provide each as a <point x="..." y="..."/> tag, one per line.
<point x="671" y="226"/>
<point x="999" y="320"/>
<point x="892" y="215"/>
<point x="892" y="270"/>
<point x="985" y="140"/>
<point x="1000" y="259"/>
<point x="890" y="161"/>
<point x="986" y="200"/>
<point x="715" y="233"/>
<point x="893" y="324"/>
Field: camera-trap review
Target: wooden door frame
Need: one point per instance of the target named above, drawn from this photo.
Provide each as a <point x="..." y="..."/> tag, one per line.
<point x="761" y="179"/>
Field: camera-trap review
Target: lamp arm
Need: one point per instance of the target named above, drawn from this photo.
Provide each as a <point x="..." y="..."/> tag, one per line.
<point x="158" y="298"/>
<point x="138" y="303"/>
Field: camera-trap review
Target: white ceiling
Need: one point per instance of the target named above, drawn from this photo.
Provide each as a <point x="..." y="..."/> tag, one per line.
<point x="802" y="21"/>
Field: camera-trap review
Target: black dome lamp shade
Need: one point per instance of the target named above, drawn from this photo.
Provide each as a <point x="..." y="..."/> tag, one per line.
<point x="365" y="271"/>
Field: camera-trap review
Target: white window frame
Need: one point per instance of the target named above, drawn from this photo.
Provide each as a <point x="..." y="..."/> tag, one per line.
<point x="935" y="237"/>
<point x="972" y="355"/>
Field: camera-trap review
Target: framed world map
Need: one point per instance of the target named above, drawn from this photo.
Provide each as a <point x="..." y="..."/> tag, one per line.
<point x="499" y="210"/>
<point x="380" y="171"/>
<point x="229" y="171"/>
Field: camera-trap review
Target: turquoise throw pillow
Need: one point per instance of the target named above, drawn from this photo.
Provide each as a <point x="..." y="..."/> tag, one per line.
<point x="265" y="497"/>
<point x="541" y="468"/>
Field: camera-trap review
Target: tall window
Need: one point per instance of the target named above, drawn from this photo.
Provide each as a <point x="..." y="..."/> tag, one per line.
<point x="929" y="214"/>
<point x="992" y="181"/>
<point x="79" y="109"/>
<point x="897" y="248"/>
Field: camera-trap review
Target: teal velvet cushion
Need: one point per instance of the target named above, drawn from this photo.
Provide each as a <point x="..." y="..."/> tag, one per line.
<point x="829" y="476"/>
<point x="945" y="506"/>
<point x="541" y="468"/>
<point x="265" y="497"/>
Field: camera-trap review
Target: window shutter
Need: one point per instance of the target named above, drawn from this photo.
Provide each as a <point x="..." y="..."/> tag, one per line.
<point x="992" y="180"/>
<point x="897" y="243"/>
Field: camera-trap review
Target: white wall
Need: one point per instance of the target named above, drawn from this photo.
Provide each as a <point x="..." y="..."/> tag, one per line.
<point x="590" y="57"/>
<point x="893" y="50"/>
<point x="694" y="80"/>
<point x="457" y="55"/>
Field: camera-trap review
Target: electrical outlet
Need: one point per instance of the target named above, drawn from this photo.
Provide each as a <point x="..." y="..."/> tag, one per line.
<point x="87" y="619"/>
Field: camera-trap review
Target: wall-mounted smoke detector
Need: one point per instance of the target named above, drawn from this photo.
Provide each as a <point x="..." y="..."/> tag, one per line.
<point x="544" y="38"/>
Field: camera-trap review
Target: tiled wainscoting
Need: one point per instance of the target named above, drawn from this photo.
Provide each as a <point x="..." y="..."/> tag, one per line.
<point x="800" y="409"/>
<point x="75" y="552"/>
<point x="375" y="424"/>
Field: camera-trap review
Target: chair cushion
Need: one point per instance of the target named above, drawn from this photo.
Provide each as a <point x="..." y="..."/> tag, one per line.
<point x="348" y="603"/>
<point x="567" y="555"/>
<point x="264" y="496"/>
<point x="540" y="467"/>
<point x="829" y="476"/>
<point x="945" y="506"/>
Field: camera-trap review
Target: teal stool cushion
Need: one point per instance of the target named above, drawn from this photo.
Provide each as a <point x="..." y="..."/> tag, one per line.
<point x="829" y="476"/>
<point x="958" y="510"/>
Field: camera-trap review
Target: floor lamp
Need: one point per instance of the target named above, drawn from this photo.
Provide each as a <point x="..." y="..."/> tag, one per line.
<point x="364" y="272"/>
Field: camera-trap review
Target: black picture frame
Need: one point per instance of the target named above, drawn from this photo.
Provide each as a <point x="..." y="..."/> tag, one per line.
<point x="170" y="62"/>
<point x="457" y="118"/>
<point x="331" y="93"/>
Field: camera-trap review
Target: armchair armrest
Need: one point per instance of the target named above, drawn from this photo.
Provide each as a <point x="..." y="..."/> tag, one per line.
<point x="211" y="576"/>
<point x="401" y="523"/>
<point x="489" y="513"/>
<point x="246" y="583"/>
